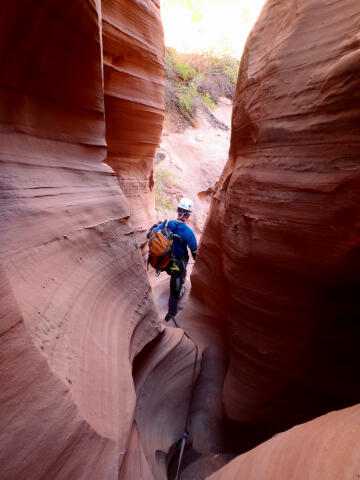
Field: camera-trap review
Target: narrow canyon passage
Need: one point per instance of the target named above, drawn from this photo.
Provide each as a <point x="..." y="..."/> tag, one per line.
<point x="94" y="384"/>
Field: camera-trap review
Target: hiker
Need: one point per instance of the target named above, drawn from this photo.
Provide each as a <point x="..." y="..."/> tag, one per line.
<point x="177" y="268"/>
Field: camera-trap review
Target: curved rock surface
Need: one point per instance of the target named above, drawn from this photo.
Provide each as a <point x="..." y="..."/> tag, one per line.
<point x="76" y="305"/>
<point x="93" y="385"/>
<point x="325" y="448"/>
<point x="278" y="267"/>
<point x="134" y="76"/>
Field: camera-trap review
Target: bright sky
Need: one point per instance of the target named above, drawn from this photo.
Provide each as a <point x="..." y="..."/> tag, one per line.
<point x="202" y="25"/>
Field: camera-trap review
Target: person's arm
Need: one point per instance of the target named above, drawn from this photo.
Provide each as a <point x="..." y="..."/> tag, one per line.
<point x="193" y="245"/>
<point x="159" y="227"/>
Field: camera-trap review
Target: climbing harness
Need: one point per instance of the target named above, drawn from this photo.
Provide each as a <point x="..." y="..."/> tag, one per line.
<point x="186" y="432"/>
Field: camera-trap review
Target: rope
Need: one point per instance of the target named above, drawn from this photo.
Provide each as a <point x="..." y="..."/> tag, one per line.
<point x="183" y="441"/>
<point x="186" y="433"/>
<point x="175" y="322"/>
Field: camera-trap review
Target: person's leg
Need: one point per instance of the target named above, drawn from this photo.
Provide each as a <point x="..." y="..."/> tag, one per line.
<point x="183" y="271"/>
<point x="182" y="277"/>
<point x="175" y="287"/>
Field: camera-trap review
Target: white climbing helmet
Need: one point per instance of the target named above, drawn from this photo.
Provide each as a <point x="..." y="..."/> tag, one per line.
<point x="185" y="204"/>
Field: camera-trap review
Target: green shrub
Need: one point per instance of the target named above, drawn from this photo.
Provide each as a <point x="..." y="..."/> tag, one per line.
<point x="187" y="99"/>
<point x="209" y="101"/>
<point x="161" y="202"/>
<point x="230" y="70"/>
<point x="224" y="64"/>
<point x="163" y="181"/>
<point x="195" y="79"/>
<point x="186" y="71"/>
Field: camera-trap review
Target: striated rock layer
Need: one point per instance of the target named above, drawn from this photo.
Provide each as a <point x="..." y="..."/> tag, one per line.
<point x="76" y="305"/>
<point x="134" y="99"/>
<point x="279" y="265"/>
<point x="93" y="386"/>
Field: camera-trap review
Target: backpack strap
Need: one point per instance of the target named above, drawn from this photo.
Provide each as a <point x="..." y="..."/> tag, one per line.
<point x="152" y="228"/>
<point x="177" y="237"/>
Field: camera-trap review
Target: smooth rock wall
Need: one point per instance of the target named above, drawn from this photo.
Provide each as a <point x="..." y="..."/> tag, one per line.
<point x="134" y="76"/>
<point x="326" y="448"/>
<point x="76" y="305"/>
<point x="278" y="267"/>
<point x="93" y="386"/>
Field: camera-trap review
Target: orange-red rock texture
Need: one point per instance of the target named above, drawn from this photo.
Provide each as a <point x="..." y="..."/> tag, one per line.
<point x="133" y="56"/>
<point x="279" y="263"/>
<point x="81" y="89"/>
<point x="92" y="384"/>
<point x="326" y="448"/>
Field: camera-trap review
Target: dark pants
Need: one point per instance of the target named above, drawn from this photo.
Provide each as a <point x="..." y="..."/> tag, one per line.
<point x="177" y="280"/>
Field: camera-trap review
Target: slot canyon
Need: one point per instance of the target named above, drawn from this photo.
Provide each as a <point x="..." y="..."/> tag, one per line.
<point x="94" y="384"/>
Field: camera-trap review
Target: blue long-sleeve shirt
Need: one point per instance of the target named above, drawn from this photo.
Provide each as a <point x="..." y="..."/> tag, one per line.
<point x="185" y="233"/>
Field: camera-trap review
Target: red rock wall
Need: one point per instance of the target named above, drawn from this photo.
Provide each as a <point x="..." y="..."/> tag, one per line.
<point x="277" y="275"/>
<point x="134" y="98"/>
<point x="325" y="448"/>
<point x="278" y="268"/>
<point x="76" y="305"/>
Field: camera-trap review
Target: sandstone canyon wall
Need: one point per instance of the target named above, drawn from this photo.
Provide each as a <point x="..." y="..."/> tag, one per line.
<point x="93" y="386"/>
<point x="278" y="268"/>
<point x="325" y="448"/>
<point x="134" y="79"/>
<point x="76" y="305"/>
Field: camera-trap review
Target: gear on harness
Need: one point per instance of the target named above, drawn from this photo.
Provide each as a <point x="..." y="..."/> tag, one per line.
<point x="174" y="267"/>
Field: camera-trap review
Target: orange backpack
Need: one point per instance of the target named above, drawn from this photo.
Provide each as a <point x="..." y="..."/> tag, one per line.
<point x="160" y="247"/>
